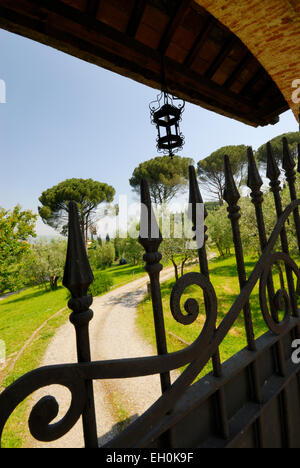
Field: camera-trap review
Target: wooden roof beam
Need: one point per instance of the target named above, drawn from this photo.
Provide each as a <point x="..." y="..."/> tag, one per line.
<point x="264" y="91"/>
<point x="92" y="7"/>
<point x="136" y="17"/>
<point x="199" y="42"/>
<point x="236" y="72"/>
<point x="109" y="48"/>
<point x="253" y="80"/>
<point x="173" y="25"/>
<point x="226" y="49"/>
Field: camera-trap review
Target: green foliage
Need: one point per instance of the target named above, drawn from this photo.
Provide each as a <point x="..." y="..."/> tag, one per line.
<point x="86" y="192"/>
<point x="248" y="223"/>
<point x="16" y="227"/>
<point x="117" y="246"/>
<point x="219" y="230"/>
<point x="293" y="139"/>
<point x="177" y="248"/>
<point x="132" y="251"/>
<point x="177" y="252"/>
<point x="45" y="262"/>
<point x="249" y="231"/>
<point x="102" y="256"/>
<point x="211" y="205"/>
<point x="166" y="177"/>
<point x="102" y="283"/>
<point x="211" y="169"/>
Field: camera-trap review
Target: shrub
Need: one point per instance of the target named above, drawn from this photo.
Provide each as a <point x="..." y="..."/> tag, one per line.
<point x="101" y="284"/>
<point x="102" y="256"/>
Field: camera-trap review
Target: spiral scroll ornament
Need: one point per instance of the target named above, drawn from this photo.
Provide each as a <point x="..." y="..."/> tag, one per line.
<point x="191" y="306"/>
<point x="46" y="409"/>
<point x="281" y="301"/>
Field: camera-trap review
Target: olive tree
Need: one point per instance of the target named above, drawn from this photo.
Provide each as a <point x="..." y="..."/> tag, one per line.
<point x="44" y="264"/>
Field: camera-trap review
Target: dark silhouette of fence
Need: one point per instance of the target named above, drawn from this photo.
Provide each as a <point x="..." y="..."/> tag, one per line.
<point x="252" y="400"/>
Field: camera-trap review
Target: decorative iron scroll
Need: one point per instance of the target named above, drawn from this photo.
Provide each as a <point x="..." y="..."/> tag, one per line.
<point x="78" y="377"/>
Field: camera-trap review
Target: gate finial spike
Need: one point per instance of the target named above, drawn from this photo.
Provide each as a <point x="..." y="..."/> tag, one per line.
<point x="150" y="236"/>
<point x="78" y="274"/>
<point x="254" y="181"/>
<point x="195" y="194"/>
<point x="273" y="171"/>
<point x="231" y="194"/>
<point x="288" y="162"/>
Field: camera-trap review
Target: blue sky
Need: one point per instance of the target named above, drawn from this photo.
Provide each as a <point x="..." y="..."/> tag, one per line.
<point x="67" y="118"/>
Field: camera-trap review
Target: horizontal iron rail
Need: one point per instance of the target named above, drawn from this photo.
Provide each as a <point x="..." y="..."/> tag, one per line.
<point x="198" y="393"/>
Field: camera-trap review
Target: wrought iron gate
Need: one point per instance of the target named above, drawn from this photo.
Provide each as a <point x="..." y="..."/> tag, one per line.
<point x="252" y="400"/>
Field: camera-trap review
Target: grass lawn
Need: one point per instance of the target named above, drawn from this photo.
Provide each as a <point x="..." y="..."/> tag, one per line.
<point x="121" y="274"/>
<point x="23" y="313"/>
<point x="20" y="316"/>
<point x="224" y="278"/>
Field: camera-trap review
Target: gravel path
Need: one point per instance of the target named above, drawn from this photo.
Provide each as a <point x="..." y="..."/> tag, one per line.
<point x="113" y="335"/>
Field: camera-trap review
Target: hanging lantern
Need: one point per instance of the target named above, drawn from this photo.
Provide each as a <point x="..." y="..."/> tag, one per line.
<point x="166" y="115"/>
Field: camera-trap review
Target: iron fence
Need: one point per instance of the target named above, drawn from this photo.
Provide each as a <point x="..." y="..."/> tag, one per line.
<point x="252" y="400"/>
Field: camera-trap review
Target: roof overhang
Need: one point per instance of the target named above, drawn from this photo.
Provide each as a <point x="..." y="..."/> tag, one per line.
<point x="205" y="62"/>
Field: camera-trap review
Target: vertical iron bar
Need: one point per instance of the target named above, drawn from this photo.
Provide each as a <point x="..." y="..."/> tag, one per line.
<point x="195" y="199"/>
<point x="158" y="319"/>
<point x="150" y="238"/>
<point x="273" y="174"/>
<point x="77" y="278"/>
<point x="288" y="165"/>
<point x="255" y="183"/>
<point x="232" y="196"/>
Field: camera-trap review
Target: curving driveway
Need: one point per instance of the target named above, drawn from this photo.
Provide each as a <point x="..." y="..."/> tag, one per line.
<point x="113" y="335"/>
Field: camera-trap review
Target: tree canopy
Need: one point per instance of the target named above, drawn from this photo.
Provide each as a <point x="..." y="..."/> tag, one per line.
<point x="87" y="193"/>
<point x="211" y="169"/>
<point x="166" y="177"/>
<point x="16" y="227"/>
<point x="293" y="139"/>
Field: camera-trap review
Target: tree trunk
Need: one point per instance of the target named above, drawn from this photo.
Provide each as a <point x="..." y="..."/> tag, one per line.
<point x="53" y="282"/>
<point x="176" y="270"/>
<point x="221" y="253"/>
<point x="84" y="230"/>
<point x="182" y="266"/>
<point x="86" y="237"/>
